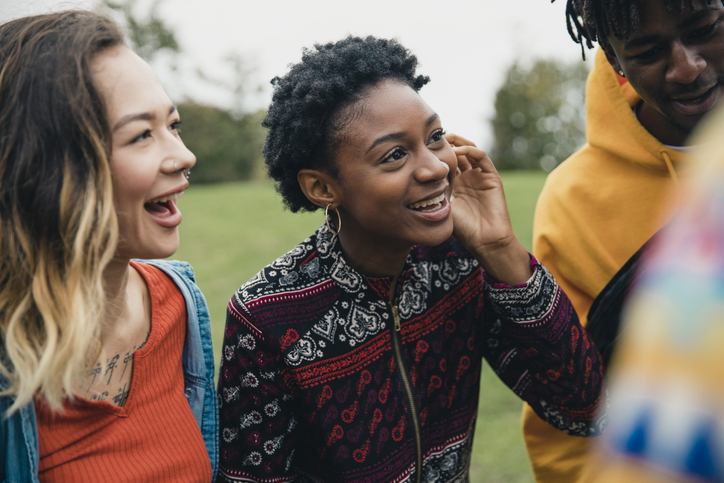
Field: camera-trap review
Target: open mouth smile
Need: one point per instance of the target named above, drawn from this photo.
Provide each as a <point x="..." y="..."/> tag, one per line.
<point x="700" y="104"/>
<point x="433" y="210"/>
<point x="163" y="209"/>
<point x="163" y="199"/>
<point x="433" y="204"/>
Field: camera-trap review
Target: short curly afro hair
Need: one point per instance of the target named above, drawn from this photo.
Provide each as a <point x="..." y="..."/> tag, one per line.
<point x="304" y="118"/>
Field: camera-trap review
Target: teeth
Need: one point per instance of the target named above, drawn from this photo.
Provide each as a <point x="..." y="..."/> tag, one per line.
<point x="164" y="199"/>
<point x="429" y="202"/>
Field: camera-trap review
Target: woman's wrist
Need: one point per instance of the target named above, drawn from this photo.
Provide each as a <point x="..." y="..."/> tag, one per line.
<point x="508" y="263"/>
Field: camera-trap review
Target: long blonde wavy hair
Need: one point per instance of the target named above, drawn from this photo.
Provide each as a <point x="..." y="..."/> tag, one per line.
<point x="58" y="227"/>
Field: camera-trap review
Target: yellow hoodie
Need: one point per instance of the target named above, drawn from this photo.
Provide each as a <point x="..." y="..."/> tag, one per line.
<point x="595" y="211"/>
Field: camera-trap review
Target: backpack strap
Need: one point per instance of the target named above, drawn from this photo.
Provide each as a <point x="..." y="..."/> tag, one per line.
<point x="604" y="317"/>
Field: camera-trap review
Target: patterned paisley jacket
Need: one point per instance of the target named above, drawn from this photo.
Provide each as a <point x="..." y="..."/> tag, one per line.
<point x="322" y="379"/>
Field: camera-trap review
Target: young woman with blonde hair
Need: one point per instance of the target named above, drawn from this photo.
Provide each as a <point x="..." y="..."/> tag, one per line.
<point x="106" y="367"/>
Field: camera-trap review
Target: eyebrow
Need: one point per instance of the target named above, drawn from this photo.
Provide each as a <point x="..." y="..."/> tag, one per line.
<point x="398" y="135"/>
<point x="687" y="22"/>
<point x="143" y="116"/>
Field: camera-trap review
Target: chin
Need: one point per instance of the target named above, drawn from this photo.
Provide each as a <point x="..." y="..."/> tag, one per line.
<point x="436" y="237"/>
<point x="164" y="251"/>
<point x="164" y="246"/>
<point x="165" y="254"/>
<point x="147" y="252"/>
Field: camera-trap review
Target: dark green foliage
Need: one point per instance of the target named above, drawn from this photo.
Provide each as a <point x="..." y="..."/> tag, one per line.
<point x="539" y="115"/>
<point x="226" y="148"/>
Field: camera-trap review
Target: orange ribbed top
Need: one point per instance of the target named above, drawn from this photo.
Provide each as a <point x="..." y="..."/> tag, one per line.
<point x="154" y="437"/>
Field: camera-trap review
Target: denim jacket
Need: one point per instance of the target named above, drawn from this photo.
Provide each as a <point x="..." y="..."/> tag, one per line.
<point x="19" y="434"/>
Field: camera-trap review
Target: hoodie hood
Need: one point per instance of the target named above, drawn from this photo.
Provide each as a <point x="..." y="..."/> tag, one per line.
<point x="611" y="123"/>
<point x="603" y="203"/>
<point x="595" y="211"/>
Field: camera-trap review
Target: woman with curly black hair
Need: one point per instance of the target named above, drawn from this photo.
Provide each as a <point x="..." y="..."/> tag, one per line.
<point x="356" y="356"/>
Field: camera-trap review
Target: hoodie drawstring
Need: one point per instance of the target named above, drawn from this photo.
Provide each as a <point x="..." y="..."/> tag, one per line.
<point x="672" y="173"/>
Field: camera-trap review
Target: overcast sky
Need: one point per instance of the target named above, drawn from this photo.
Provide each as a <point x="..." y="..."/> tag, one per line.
<point x="465" y="46"/>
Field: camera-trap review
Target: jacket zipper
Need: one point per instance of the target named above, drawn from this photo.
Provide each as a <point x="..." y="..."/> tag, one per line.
<point x="408" y="388"/>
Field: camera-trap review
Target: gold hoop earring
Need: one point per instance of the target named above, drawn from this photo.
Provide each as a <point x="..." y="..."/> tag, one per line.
<point x="339" y="220"/>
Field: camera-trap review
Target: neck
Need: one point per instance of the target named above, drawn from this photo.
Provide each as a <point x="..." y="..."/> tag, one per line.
<point x="661" y="127"/>
<point x="115" y="283"/>
<point x="372" y="259"/>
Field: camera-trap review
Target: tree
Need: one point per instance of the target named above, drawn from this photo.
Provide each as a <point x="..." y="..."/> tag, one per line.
<point x="226" y="148"/>
<point x="539" y="115"/>
<point x="149" y="36"/>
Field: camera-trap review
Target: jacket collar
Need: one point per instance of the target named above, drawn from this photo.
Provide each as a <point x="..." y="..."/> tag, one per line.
<point x="356" y="284"/>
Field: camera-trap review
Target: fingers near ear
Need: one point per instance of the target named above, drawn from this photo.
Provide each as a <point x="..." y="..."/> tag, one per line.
<point x="318" y="187"/>
<point x="463" y="161"/>
<point x="456" y="140"/>
<point x="477" y="158"/>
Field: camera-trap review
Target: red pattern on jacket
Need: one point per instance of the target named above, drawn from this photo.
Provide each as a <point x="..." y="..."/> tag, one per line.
<point x="309" y="386"/>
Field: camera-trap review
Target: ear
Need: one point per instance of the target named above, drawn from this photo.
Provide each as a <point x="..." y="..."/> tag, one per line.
<point x="319" y="187"/>
<point x="612" y="59"/>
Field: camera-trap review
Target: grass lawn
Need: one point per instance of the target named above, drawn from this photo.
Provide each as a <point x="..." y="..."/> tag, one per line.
<point x="230" y="231"/>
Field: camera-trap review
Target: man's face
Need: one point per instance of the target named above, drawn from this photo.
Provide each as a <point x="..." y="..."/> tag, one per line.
<point x="675" y="62"/>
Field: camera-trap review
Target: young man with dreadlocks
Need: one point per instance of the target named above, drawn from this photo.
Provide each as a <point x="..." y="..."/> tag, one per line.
<point x="659" y="70"/>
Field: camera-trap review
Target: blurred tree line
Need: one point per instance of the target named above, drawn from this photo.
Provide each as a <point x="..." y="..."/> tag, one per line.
<point x="539" y="115"/>
<point x="539" y="109"/>
<point x="227" y="142"/>
<point x="227" y="148"/>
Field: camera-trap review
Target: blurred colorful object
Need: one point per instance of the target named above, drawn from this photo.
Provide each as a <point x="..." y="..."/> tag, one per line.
<point x="666" y="418"/>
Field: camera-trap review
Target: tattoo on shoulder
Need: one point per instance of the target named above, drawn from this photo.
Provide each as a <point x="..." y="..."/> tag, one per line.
<point x="94" y="372"/>
<point x="99" y="370"/>
<point x="122" y="396"/>
<point x="128" y="358"/>
<point x="99" y="397"/>
<point x="110" y="366"/>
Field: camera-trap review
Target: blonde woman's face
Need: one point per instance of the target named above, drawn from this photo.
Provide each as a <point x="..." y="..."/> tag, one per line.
<point x="148" y="158"/>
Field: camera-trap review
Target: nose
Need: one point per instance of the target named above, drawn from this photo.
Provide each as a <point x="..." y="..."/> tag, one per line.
<point x="685" y="64"/>
<point x="431" y="168"/>
<point x="178" y="156"/>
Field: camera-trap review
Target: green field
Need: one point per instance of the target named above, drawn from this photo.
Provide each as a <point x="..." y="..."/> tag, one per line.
<point x="230" y="231"/>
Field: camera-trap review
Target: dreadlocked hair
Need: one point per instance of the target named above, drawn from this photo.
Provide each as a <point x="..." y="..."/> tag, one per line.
<point x="590" y="21"/>
<point x="308" y="112"/>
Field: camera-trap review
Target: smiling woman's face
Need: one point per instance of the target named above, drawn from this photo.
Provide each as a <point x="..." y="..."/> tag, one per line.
<point x="147" y="154"/>
<point x="394" y="159"/>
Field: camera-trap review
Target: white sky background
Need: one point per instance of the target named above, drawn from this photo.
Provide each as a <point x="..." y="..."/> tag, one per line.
<point x="465" y="46"/>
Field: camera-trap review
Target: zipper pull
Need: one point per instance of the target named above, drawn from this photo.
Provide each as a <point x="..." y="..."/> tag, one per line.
<point x="396" y="316"/>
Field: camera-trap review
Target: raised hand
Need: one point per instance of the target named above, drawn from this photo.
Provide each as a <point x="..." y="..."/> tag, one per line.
<point x="480" y="215"/>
